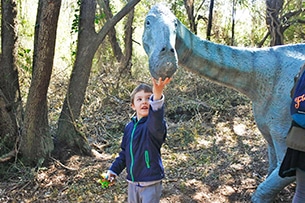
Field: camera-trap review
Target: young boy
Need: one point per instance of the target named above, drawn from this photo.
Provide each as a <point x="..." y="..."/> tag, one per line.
<point x="141" y="144"/>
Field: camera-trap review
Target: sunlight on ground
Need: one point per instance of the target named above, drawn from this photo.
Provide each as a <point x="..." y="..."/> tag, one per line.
<point x="239" y="129"/>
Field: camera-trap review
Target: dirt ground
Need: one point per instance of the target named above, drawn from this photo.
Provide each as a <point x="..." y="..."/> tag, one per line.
<point x="224" y="169"/>
<point x="213" y="153"/>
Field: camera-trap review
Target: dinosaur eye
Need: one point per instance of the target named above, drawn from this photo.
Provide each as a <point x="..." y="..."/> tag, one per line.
<point x="147" y="23"/>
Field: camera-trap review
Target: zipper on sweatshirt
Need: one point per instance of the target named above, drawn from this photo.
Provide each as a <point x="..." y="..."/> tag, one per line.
<point x="131" y="152"/>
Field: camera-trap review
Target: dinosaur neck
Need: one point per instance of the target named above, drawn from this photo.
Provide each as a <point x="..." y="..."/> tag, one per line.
<point x="224" y="65"/>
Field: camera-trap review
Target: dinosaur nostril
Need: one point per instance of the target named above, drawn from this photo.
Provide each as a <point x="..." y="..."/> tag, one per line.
<point x="172" y="50"/>
<point x="163" y="49"/>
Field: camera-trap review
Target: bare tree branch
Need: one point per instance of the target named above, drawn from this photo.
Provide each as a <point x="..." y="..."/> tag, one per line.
<point x="111" y="22"/>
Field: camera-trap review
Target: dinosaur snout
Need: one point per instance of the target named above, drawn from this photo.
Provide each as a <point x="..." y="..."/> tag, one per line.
<point x="163" y="69"/>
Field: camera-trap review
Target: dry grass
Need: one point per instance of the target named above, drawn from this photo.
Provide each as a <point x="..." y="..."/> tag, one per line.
<point x="213" y="153"/>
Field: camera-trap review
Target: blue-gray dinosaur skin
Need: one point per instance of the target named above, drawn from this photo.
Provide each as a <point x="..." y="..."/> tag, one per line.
<point x="265" y="75"/>
<point x="163" y="57"/>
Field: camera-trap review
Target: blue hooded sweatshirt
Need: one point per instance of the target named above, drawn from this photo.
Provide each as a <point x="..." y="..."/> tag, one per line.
<point x="141" y="144"/>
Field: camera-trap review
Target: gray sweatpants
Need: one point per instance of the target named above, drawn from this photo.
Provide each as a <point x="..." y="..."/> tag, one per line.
<point x="144" y="194"/>
<point x="299" y="196"/>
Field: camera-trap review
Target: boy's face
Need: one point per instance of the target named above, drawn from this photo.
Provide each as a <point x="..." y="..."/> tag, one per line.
<point x="141" y="104"/>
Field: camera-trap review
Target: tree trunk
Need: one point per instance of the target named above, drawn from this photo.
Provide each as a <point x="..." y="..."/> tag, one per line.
<point x="124" y="59"/>
<point x="233" y="22"/>
<point x="8" y="127"/>
<point x="210" y="21"/>
<point x="189" y="6"/>
<point x="69" y="139"/>
<point x="117" y="51"/>
<point x="36" y="142"/>
<point x="10" y="99"/>
<point x="125" y="67"/>
<point x="273" y="22"/>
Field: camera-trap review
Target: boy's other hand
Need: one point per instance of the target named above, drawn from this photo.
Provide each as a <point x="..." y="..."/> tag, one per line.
<point x="111" y="176"/>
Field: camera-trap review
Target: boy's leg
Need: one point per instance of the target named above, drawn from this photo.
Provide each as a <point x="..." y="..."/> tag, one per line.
<point x="133" y="196"/>
<point x="152" y="193"/>
<point x="147" y="194"/>
<point x="299" y="195"/>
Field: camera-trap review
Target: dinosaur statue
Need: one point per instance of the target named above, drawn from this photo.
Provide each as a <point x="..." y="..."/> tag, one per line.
<point x="264" y="75"/>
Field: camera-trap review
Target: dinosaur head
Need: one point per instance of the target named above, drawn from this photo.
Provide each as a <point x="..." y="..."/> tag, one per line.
<point x="159" y="39"/>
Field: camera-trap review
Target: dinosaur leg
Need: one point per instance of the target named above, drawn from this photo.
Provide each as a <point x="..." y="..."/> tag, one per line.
<point x="267" y="190"/>
<point x="271" y="158"/>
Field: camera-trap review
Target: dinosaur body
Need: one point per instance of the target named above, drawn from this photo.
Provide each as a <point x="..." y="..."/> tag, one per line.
<point x="265" y="75"/>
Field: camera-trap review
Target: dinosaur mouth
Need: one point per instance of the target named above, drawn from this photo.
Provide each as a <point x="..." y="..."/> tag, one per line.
<point x="165" y="70"/>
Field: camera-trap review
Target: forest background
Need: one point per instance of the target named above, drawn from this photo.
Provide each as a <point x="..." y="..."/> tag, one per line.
<point x="67" y="75"/>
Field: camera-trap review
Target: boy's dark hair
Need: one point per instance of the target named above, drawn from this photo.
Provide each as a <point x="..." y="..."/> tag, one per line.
<point x="140" y="87"/>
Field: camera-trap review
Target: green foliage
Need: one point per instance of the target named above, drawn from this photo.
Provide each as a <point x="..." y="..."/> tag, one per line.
<point x="99" y="17"/>
<point x="25" y="59"/>
<point x="74" y="28"/>
<point x="25" y="37"/>
<point x="75" y="22"/>
<point x="295" y="32"/>
<point x="178" y="9"/>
